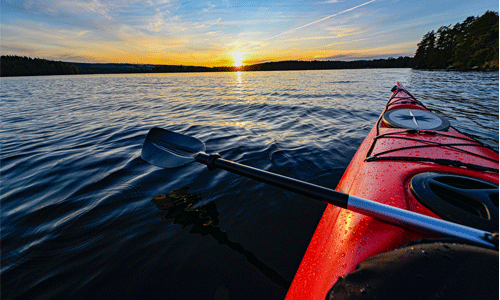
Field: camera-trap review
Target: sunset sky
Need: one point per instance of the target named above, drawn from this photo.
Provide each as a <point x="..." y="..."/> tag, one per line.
<point x="224" y="33"/>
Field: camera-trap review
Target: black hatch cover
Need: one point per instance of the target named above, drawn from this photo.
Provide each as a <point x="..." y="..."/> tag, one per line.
<point x="461" y="199"/>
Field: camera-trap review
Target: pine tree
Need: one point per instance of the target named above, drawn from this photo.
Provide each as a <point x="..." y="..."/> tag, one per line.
<point x="468" y="45"/>
<point x="424" y="57"/>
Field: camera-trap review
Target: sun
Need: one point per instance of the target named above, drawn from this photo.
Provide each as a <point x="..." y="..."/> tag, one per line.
<point x="238" y="59"/>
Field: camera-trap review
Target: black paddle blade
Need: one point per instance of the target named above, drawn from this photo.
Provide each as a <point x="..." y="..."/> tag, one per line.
<point x="167" y="149"/>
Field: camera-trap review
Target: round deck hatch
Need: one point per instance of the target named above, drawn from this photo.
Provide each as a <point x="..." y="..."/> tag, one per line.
<point x="415" y="119"/>
<point x="461" y="199"/>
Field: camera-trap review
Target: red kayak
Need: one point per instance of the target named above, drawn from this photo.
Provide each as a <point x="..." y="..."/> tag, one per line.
<point x="411" y="159"/>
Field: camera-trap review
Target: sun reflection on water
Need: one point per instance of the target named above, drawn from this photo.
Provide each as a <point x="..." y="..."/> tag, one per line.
<point x="238" y="77"/>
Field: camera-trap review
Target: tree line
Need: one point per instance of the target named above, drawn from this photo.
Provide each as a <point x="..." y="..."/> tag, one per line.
<point x="26" y="66"/>
<point x="400" y="62"/>
<point x="472" y="44"/>
<point x="112" y="68"/>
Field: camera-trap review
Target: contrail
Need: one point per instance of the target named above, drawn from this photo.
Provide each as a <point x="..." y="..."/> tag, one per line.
<point x="320" y="20"/>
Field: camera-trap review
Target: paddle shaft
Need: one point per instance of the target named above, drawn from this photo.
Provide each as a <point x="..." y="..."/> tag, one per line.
<point x="393" y="215"/>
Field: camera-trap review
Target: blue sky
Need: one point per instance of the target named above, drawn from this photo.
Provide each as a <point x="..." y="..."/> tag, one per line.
<point x="223" y="33"/>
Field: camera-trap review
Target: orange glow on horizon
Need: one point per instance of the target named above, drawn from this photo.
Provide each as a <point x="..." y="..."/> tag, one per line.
<point x="108" y="53"/>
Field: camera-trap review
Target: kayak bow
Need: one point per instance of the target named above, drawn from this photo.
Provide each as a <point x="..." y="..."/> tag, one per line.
<point x="411" y="159"/>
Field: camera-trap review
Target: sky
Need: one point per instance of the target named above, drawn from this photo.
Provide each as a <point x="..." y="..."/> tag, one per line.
<point x="224" y="33"/>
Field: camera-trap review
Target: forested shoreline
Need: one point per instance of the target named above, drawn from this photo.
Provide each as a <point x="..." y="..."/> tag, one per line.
<point x="25" y="66"/>
<point x="400" y="62"/>
<point x="470" y="45"/>
<point x="295" y="65"/>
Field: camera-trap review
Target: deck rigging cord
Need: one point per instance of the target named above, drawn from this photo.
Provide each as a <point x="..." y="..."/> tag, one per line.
<point x="410" y="99"/>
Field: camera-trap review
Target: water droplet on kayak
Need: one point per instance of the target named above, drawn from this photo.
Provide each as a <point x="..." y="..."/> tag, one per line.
<point x="363" y="243"/>
<point x="382" y="190"/>
<point x="344" y="266"/>
<point x="342" y="254"/>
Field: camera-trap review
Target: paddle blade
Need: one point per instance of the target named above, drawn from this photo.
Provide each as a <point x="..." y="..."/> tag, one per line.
<point x="167" y="149"/>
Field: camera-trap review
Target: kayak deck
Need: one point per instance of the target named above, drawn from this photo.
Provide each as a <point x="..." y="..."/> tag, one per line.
<point x="381" y="170"/>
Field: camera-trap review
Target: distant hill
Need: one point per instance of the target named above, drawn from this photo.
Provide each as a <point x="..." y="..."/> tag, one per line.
<point x="401" y="62"/>
<point x="112" y="68"/>
<point x="25" y="66"/>
<point x="470" y="45"/>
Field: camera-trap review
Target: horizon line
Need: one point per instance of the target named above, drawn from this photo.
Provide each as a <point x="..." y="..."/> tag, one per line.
<point x="213" y="67"/>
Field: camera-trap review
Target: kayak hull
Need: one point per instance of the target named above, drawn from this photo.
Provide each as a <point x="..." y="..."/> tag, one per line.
<point x="381" y="170"/>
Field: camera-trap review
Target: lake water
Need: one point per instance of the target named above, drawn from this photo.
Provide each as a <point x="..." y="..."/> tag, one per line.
<point x="77" y="217"/>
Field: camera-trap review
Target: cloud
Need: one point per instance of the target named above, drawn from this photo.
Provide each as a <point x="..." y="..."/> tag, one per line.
<point x="206" y="24"/>
<point x="369" y="52"/>
<point x="212" y="33"/>
<point x="257" y="22"/>
<point x="59" y="8"/>
<point x="345" y="42"/>
<point x="340" y="31"/>
<point x="310" y="38"/>
<point x="81" y="33"/>
<point x="90" y="15"/>
<point x="210" y="7"/>
<point x="158" y="2"/>
<point x="94" y="6"/>
<point x="157" y="23"/>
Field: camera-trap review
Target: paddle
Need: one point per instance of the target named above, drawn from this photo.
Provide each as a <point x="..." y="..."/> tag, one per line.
<point x="168" y="149"/>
